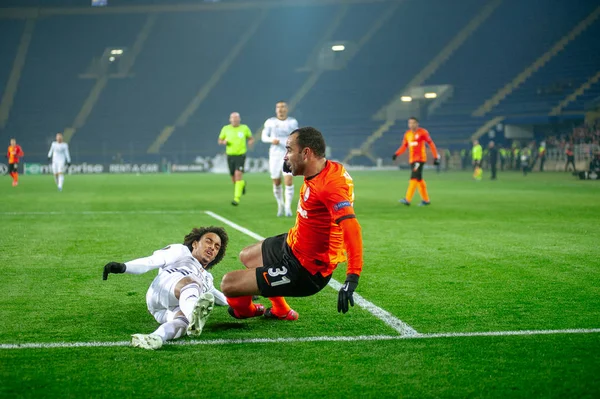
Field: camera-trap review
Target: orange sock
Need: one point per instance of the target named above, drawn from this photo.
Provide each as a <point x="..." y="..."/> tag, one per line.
<point x="280" y="306"/>
<point x="12" y="174"/>
<point x="242" y="305"/>
<point x="16" y="176"/>
<point x="412" y="186"/>
<point x="423" y="191"/>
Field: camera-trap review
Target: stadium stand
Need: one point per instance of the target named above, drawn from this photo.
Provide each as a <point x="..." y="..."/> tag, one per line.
<point x="185" y="79"/>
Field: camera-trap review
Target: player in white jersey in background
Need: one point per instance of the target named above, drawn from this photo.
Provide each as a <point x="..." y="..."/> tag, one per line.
<point x="61" y="159"/>
<point x="276" y="132"/>
<point x="183" y="294"/>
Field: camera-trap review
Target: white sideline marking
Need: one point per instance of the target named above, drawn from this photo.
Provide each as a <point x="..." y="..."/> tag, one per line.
<point x="303" y="339"/>
<point x="383" y="315"/>
<point x="54" y="213"/>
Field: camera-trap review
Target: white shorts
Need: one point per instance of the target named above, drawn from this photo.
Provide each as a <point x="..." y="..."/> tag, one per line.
<point x="160" y="298"/>
<point x="59" y="167"/>
<point x="276" y="164"/>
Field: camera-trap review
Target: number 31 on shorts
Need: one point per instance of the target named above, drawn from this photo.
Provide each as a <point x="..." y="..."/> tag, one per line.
<point x="278" y="271"/>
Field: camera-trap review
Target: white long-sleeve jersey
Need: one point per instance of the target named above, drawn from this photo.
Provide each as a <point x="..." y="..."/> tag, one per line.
<point x="59" y="152"/>
<point x="177" y="258"/>
<point x="278" y="129"/>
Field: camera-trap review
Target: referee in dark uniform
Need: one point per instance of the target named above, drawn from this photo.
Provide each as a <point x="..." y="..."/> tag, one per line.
<point x="493" y="157"/>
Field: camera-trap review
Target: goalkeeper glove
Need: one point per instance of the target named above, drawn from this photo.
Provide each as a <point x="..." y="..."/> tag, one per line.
<point x="68" y="164"/>
<point x="436" y="161"/>
<point x="345" y="296"/>
<point x="394" y="157"/>
<point x="113" y="267"/>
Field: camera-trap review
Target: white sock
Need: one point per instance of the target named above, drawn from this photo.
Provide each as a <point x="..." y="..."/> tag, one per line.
<point x="278" y="193"/>
<point x="56" y="179"/>
<point x="61" y="180"/>
<point x="172" y="329"/>
<point x="188" y="297"/>
<point x="289" y="196"/>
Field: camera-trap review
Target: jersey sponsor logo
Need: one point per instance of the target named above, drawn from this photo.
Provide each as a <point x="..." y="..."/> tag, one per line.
<point x="307" y="194"/>
<point x="302" y="211"/>
<point x="342" y="205"/>
<point x="414" y="143"/>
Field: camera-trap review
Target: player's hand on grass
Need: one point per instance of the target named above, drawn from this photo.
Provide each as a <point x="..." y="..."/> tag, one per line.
<point x="113" y="267"/>
<point x="436" y="161"/>
<point x="394" y="157"/>
<point x="346" y="294"/>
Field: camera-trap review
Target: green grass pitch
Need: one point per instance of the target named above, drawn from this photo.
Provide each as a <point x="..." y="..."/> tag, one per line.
<point x="520" y="253"/>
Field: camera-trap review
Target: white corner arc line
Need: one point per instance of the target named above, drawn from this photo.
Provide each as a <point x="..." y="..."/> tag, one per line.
<point x="401" y="327"/>
<point x="52" y="345"/>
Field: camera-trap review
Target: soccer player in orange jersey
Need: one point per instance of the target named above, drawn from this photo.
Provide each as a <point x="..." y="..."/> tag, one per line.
<point x="415" y="139"/>
<point x="13" y="154"/>
<point x="300" y="262"/>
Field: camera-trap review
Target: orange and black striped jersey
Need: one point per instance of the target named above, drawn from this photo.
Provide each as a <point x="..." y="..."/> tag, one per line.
<point x="317" y="239"/>
<point x="415" y="142"/>
<point x="13" y="153"/>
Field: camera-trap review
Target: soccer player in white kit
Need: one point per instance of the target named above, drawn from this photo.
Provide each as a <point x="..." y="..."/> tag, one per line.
<point x="61" y="159"/>
<point x="276" y="132"/>
<point x="183" y="294"/>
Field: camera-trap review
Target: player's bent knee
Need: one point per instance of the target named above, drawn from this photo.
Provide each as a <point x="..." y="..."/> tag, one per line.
<point x="228" y="285"/>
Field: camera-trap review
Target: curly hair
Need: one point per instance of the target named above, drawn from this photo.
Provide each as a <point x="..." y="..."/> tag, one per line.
<point x="198" y="233"/>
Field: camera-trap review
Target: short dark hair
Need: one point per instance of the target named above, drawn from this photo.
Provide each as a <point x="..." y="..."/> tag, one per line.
<point x="309" y="137"/>
<point x="414" y="118"/>
<point x="199" y="232"/>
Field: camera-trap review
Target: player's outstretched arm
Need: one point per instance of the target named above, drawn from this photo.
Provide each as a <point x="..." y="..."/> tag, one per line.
<point x="434" y="151"/>
<point x="400" y="149"/>
<point x="136" y="266"/>
<point x="266" y="135"/>
<point x="354" y="248"/>
<point x="51" y="151"/>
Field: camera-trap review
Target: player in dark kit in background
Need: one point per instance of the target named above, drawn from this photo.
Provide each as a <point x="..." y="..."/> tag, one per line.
<point x="570" y="158"/>
<point x="301" y="262"/>
<point x="13" y="154"/>
<point x="493" y="157"/>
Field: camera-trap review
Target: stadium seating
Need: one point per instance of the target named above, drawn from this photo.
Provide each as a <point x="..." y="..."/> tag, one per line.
<point x="184" y="50"/>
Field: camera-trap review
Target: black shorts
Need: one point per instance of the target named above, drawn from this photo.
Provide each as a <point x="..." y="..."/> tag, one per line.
<point x="236" y="162"/>
<point x="477" y="164"/>
<point x="282" y="274"/>
<point x="13" y="167"/>
<point x="416" y="170"/>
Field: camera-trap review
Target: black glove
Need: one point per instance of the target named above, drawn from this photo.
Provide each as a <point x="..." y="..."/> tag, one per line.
<point x="68" y="165"/>
<point x="49" y="159"/>
<point x="394" y="157"/>
<point x="345" y="295"/>
<point x="436" y="161"/>
<point x="113" y="267"/>
<point x="286" y="168"/>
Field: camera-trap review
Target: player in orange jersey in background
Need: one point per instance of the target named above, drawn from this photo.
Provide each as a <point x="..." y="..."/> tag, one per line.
<point x="300" y="262"/>
<point x="13" y="154"/>
<point x="415" y="139"/>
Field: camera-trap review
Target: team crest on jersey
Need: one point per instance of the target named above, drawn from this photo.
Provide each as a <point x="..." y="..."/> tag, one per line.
<point x="306" y="194"/>
<point x="241" y="135"/>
